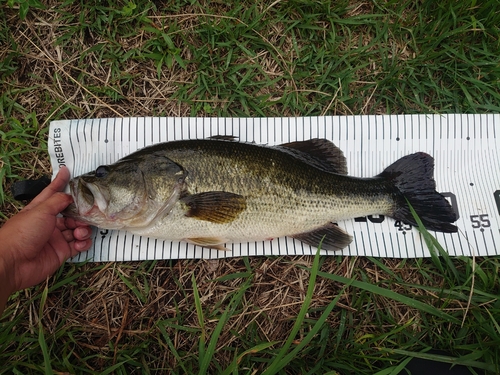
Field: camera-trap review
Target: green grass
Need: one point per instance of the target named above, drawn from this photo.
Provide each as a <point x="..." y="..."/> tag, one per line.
<point x="360" y="326"/>
<point x="291" y="58"/>
<point x="19" y="142"/>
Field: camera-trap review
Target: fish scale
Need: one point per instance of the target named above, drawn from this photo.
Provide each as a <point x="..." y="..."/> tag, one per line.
<point x="215" y="191"/>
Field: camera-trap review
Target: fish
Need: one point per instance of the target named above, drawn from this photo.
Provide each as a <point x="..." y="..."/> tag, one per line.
<point x="216" y="191"/>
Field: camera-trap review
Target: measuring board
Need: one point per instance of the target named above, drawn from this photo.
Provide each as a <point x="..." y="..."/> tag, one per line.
<point x="467" y="172"/>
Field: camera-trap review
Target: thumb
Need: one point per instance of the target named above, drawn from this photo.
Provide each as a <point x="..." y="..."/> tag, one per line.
<point x="55" y="204"/>
<point x="55" y="186"/>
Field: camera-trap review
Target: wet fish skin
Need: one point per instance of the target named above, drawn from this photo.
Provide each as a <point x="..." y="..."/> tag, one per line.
<point x="210" y="192"/>
<point x="134" y="192"/>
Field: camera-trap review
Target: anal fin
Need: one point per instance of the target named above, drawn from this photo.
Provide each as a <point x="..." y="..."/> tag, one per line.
<point x="210" y="242"/>
<point x="333" y="237"/>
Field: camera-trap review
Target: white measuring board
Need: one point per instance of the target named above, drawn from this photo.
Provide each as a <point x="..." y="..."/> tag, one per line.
<point x="467" y="171"/>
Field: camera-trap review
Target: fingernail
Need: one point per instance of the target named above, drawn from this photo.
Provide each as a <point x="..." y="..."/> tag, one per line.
<point x="80" y="245"/>
<point x="84" y="233"/>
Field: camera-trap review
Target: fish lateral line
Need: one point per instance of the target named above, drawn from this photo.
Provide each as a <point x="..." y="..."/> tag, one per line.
<point x="272" y="181"/>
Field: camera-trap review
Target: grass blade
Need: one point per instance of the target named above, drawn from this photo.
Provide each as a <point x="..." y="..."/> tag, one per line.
<point x="434" y="246"/>
<point x="201" y="321"/>
<point x="276" y="365"/>
<point x="315" y="329"/>
<point x="396" y="369"/>
<point x="233" y="367"/>
<point x="392" y="295"/>
<point x="41" y="337"/>
<point x="140" y="296"/>
<point x="170" y="344"/>
<point x="233" y="303"/>
<point x="443" y="358"/>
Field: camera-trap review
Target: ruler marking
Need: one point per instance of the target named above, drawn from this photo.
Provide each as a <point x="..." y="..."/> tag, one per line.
<point x="377" y="246"/>
<point x="493" y="124"/>
<point x="355" y="243"/>
<point x="72" y="147"/>
<point x="468" y="191"/>
<point x="393" y="247"/>
<point x="488" y="179"/>
<point x="484" y="128"/>
<point x="471" y="156"/>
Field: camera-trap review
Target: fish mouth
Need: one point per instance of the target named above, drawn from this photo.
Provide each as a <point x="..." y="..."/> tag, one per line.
<point x="86" y="196"/>
<point x="80" y="206"/>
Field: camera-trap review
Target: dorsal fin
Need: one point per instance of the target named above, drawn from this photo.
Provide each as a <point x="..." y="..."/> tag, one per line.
<point x="320" y="153"/>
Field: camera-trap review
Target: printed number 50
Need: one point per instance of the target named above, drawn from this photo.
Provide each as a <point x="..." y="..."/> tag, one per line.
<point x="479" y="221"/>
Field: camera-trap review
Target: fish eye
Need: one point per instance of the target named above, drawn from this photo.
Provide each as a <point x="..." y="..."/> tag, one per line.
<point x="102" y="171"/>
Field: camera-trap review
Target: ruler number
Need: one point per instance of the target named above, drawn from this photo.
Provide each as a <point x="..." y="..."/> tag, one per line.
<point x="373" y="218"/>
<point x="402" y="226"/>
<point x="496" y="194"/>
<point x="480" y="221"/>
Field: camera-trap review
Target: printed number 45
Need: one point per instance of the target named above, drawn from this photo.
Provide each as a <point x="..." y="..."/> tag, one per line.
<point x="480" y="221"/>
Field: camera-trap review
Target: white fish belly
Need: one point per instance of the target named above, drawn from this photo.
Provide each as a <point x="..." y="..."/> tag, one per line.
<point x="263" y="221"/>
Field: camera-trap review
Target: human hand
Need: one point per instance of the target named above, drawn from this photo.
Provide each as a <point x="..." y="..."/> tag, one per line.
<point x="35" y="242"/>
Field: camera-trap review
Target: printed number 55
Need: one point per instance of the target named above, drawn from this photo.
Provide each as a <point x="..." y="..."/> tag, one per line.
<point x="479" y="221"/>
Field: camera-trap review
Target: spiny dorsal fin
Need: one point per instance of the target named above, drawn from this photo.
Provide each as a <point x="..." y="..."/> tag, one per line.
<point x="215" y="206"/>
<point x="321" y="153"/>
<point x="334" y="238"/>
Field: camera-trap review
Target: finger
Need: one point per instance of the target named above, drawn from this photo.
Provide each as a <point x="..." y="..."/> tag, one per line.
<point x="61" y="180"/>
<point x="55" y="204"/>
<point x="68" y="235"/>
<point x="65" y="246"/>
<point x="79" y="233"/>
<point x="80" y="246"/>
<point x="77" y="247"/>
<point x="56" y="185"/>
<point x="82" y="233"/>
<point x="62" y="248"/>
<point x="62" y="223"/>
<point x="79" y="223"/>
<point x="70" y="223"/>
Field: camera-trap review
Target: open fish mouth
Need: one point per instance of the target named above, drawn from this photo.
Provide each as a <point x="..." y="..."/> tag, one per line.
<point x="86" y="197"/>
<point x="80" y="206"/>
<point x="94" y="195"/>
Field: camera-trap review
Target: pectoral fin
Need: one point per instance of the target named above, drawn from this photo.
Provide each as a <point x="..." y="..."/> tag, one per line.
<point x="215" y="206"/>
<point x="334" y="238"/>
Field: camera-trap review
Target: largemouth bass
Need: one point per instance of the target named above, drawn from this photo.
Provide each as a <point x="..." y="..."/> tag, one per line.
<point x="215" y="191"/>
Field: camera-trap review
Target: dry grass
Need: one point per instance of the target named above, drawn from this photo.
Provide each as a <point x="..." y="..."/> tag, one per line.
<point x="298" y="58"/>
<point x="105" y="316"/>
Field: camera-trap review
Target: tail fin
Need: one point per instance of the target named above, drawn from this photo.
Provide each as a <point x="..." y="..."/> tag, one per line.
<point x="413" y="177"/>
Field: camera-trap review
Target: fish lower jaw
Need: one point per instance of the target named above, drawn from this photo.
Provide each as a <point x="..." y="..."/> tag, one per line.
<point x="95" y="217"/>
<point x="91" y="211"/>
